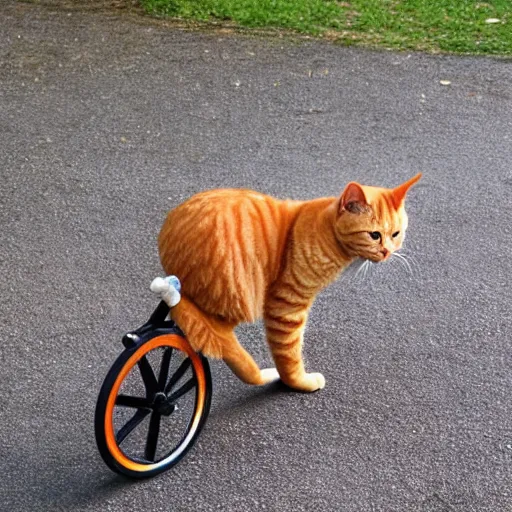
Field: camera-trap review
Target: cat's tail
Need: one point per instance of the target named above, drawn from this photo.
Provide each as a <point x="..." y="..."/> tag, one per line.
<point x="205" y="333"/>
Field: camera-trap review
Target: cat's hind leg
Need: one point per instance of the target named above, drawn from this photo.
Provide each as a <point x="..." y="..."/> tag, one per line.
<point x="285" y="331"/>
<point x="216" y="338"/>
<point x="243" y="365"/>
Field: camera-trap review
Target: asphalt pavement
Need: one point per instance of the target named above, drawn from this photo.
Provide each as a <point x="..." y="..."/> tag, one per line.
<point x="107" y="121"/>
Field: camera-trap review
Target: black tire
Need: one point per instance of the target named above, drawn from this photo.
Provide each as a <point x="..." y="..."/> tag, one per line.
<point x="155" y="400"/>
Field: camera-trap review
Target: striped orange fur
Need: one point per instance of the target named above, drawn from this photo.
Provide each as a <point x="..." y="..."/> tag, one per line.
<point x="241" y="255"/>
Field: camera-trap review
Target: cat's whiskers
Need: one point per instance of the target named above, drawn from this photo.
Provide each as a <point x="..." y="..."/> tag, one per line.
<point x="414" y="262"/>
<point x="398" y="262"/>
<point x="404" y="261"/>
<point x="411" y="256"/>
<point x="361" y="267"/>
<point x="368" y="267"/>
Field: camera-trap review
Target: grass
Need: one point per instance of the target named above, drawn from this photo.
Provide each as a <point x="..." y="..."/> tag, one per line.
<point x="458" y="26"/>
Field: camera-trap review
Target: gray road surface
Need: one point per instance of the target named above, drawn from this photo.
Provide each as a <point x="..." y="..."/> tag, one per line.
<point x="107" y="122"/>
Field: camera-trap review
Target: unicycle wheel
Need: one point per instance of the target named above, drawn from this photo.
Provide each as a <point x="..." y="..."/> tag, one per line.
<point x="153" y="404"/>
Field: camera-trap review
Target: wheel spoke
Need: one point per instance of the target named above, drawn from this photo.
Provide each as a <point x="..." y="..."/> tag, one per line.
<point x="190" y="384"/>
<point x="152" y="440"/>
<point x="132" y="401"/>
<point x="131" y="424"/>
<point x="164" y="368"/>
<point x="178" y="374"/>
<point x="148" y="375"/>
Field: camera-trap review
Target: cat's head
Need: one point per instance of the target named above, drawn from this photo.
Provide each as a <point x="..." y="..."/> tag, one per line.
<point x="371" y="221"/>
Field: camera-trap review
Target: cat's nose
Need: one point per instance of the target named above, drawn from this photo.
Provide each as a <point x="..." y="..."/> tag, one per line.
<point x="385" y="253"/>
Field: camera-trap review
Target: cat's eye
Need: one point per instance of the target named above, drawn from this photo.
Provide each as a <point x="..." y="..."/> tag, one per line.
<point x="395" y="234"/>
<point x="375" y="235"/>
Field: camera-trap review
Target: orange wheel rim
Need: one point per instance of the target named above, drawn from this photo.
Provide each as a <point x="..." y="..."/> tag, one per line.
<point x="166" y="340"/>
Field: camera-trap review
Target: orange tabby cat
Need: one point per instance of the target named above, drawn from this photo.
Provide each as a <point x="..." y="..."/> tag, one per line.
<point x="242" y="255"/>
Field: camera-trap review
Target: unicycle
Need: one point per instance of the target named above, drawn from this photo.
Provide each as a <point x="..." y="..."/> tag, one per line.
<point x="154" y="400"/>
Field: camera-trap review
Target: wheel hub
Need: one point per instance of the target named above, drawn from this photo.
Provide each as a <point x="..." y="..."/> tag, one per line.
<point x="162" y="404"/>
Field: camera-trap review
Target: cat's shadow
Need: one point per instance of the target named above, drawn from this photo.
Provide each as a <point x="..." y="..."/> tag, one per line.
<point x="225" y="405"/>
<point x="68" y="486"/>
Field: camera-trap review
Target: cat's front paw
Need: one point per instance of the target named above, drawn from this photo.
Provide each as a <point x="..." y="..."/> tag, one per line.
<point x="309" y="382"/>
<point x="269" y="375"/>
<point x="316" y="380"/>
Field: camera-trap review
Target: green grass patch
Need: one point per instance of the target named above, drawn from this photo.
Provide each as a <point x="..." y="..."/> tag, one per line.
<point x="459" y="26"/>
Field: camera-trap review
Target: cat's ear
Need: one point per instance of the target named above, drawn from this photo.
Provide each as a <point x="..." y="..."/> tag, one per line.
<point x="398" y="193"/>
<point x="353" y="199"/>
